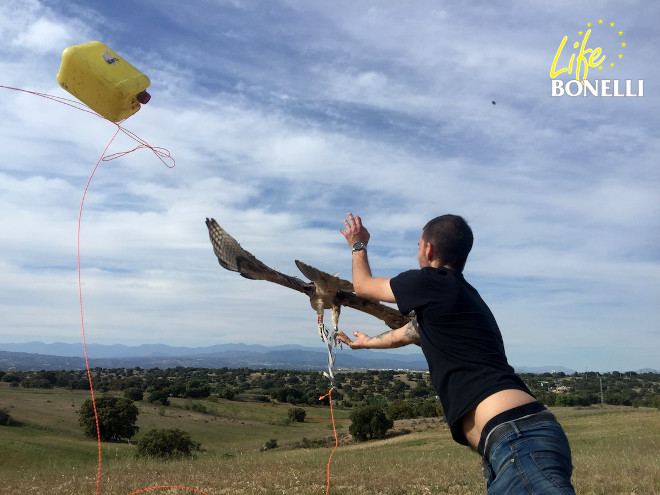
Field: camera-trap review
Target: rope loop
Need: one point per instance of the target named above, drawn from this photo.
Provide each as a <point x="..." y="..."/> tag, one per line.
<point x="161" y="153"/>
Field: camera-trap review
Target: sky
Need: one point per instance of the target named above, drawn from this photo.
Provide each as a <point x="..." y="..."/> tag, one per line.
<point x="284" y="115"/>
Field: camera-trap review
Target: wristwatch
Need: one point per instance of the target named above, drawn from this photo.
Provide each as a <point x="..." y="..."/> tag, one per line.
<point x="359" y="246"/>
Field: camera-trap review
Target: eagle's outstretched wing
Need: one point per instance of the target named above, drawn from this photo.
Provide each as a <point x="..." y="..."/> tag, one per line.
<point x="392" y="317"/>
<point x="233" y="257"/>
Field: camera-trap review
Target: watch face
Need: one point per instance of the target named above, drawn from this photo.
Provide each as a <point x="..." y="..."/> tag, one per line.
<point x="359" y="246"/>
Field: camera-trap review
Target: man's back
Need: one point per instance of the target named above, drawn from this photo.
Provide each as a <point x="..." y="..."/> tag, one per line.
<point x="460" y="339"/>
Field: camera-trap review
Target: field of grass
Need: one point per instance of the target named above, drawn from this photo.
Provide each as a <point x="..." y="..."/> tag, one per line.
<point x="616" y="450"/>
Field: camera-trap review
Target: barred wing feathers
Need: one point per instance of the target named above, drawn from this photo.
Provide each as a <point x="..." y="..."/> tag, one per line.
<point x="330" y="289"/>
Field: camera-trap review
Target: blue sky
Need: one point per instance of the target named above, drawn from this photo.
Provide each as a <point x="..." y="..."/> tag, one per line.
<point x="282" y="116"/>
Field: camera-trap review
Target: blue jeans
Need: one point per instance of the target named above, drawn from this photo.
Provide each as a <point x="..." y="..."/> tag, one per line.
<point x="529" y="458"/>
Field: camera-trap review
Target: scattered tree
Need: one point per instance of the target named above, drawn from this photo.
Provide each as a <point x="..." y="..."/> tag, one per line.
<point x="270" y="444"/>
<point x="369" y="422"/>
<point x="167" y="443"/>
<point x="656" y="401"/>
<point x="36" y="381"/>
<point x="429" y="408"/>
<point x="197" y="389"/>
<point x="400" y="409"/>
<point x="134" y="394"/>
<point x="297" y="414"/>
<point x="226" y="393"/>
<point x="6" y="419"/>
<point x="161" y="396"/>
<point x="116" y="416"/>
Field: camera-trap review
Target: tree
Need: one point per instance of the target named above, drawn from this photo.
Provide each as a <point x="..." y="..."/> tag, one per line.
<point x="400" y="410"/>
<point x="270" y="444"/>
<point x="117" y="417"/>
<point x="6" y="419"/>
<point x="226" y="393"/>
<point x="287" y="394"/>
<point x="11" y="378"/>
<point x="167" y="443"/>
<point x="161" y="396"/>
<point x="656" y="401"/>
<point x="422" y="390"/>
<point x="134" y="394"/>
<point x="369" y="422"/>
<point x="428" y="408"/>
<point x="297" y="414"/>
<point x="36" y="382"/>
<point x="197" y="389"/>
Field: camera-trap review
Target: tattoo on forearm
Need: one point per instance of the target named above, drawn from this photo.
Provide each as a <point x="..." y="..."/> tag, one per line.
<point x="412" y="331"/>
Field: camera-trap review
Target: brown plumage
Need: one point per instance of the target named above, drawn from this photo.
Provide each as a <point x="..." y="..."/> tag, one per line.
<point x="325" y="291"/>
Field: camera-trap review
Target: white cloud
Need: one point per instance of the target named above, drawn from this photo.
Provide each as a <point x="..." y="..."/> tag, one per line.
<point x="282" y="121"/>
<point x="43" y="36"/>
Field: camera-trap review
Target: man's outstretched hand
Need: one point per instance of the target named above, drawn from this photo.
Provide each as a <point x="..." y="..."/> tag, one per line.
<point x="354" y="231"/>
<point x="359" y="343"/>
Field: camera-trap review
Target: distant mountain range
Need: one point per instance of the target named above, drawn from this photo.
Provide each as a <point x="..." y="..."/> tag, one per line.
<point x="62" y="356"/>
<point x="57" y="356"/>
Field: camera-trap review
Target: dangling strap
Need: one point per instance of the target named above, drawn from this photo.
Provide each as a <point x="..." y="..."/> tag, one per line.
<point x="330" y="338"/>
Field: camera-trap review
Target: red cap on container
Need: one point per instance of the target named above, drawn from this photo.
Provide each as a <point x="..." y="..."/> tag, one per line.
<point x="143" y="97"/>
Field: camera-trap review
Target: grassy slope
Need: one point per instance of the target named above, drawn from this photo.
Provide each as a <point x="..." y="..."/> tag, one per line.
<point x="616" y="450"/>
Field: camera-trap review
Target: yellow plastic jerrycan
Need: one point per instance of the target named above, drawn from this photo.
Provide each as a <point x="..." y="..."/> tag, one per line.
<point x="102" y="80"/>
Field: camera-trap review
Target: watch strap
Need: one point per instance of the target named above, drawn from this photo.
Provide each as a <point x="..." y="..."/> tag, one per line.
<point x="359" y="246"/>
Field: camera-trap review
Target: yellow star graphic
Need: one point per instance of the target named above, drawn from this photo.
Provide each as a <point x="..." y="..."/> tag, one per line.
<point x="580" y="33"/>
<point x="600" y="21"/>
<point x="588" y="24"/>
<point x="612" y="24"/>
<point x="612" y="64"/>
<point x="620" y="55"/>
<point x="600" y="67"/>
<point x="620" y="33"/>
<point x="623" y="44"/>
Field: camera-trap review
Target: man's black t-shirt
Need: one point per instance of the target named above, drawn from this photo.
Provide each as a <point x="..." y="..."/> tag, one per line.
<point x="460" y="339"/>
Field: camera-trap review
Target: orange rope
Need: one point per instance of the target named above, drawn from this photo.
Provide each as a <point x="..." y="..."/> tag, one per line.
<point x="82" y="319"/>
<point x="161" y="153"/>
<point x="103" y="157"/>
<point x="334" y="430"/>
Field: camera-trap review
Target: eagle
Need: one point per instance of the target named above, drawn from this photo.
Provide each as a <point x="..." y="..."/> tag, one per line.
<point x="325" y="291"/>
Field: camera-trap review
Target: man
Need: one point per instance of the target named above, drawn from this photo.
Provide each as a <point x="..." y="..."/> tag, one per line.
<point x="487" y="406"/>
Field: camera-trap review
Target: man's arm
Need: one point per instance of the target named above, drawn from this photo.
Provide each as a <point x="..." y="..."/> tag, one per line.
<point x="408" y="334"/>
<point x="364" y="284"/>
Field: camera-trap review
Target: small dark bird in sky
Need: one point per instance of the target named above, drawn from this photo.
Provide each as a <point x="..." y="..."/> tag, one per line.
<point x="493" y="102"/>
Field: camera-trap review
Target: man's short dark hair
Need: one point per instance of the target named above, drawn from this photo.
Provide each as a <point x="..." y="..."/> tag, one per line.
<point x="451" y="237"/>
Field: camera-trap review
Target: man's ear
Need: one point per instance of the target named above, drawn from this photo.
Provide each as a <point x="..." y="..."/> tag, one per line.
<point x="429" y="251"/>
